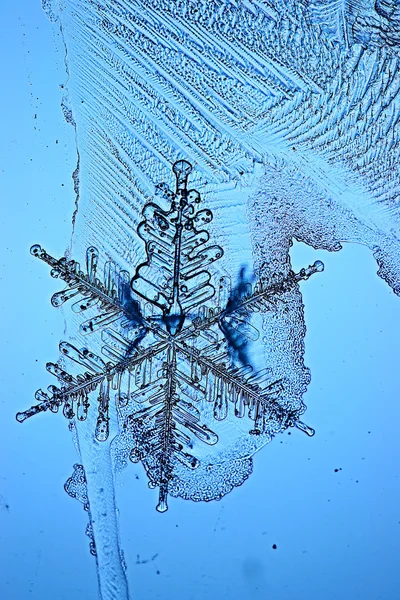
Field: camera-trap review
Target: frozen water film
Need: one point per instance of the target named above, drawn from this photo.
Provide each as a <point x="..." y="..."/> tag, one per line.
<point x="210" y="135"/>
<point x="166" y="369"/>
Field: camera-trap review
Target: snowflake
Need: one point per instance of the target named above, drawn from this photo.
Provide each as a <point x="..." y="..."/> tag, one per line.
<point x="177" y="349"/>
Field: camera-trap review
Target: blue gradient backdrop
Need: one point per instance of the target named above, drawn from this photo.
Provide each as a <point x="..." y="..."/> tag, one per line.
<point x="337" y="533"/>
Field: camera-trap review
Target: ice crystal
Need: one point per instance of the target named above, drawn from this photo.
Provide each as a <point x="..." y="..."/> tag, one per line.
<point x="166" y="362"/>
<point x="289" y="110"/>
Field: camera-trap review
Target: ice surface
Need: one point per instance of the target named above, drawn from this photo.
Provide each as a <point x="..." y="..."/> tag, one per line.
<point x="288" y="112"/>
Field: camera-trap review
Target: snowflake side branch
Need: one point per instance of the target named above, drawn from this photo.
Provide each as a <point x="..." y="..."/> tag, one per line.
<point x="88" y="286"/>
<point x="265" y="395"/>
<point x="263" y="406"/>
<point x="69" y="272"/>
<point x="261" y="296"/>
<point x="59" y="396"/>
<point x="82" y="384"/>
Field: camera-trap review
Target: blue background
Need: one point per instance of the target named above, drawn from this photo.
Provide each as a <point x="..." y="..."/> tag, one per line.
<point x="337" y="533"/>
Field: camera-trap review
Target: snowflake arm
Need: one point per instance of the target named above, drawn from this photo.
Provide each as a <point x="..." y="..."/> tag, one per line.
<point x="112" y="297"/>
<point x="175" y="277"/>
<point x="260" y="297"/>
<point x="245" y="391"/>
<point x="73" y="393"/>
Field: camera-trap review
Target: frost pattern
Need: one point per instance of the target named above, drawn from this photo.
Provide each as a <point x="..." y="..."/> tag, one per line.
<point x="169" y="369"/>
<point x="166" y="368"/>
<point x="288" y="108"/>
<point x="309" y="89"/>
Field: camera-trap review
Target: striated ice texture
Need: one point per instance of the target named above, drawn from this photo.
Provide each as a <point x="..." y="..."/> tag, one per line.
<point x="176" y="365"/>
<point x="307" y="90"/>
<point x="280" y="121"/>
